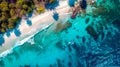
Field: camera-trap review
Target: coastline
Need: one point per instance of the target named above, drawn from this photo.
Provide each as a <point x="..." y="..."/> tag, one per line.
<point x="39" y="22"/>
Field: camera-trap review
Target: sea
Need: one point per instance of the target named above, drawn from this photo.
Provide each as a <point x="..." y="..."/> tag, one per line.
<point x="91" y="39"/>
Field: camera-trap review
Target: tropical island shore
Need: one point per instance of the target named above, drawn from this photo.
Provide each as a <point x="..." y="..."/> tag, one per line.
<point x="38" y="22"/>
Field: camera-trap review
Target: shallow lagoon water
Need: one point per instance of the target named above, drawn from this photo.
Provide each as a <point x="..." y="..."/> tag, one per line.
<point x="73" y="44"/>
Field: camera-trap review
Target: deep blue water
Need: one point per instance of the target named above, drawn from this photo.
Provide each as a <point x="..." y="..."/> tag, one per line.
<point x="92" y="40"/>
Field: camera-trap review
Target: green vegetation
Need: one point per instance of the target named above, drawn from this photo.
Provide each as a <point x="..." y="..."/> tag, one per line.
<point x="13" y="10"/>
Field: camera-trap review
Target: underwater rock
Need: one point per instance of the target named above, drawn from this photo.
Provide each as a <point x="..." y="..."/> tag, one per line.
<point x="59" y="63"/>
<point x="79" y="49"/>
<point x="69" y="56"/>
<point x="69" y="64"/>
<point x="83" y="4"/>
<point x="60" y="45"/>
<point x="77" y="37"/>
<point x="102" y="35"/>
<point x="83" y="39"/>
<point x="92" y="32"/>
<point x="100" y="10"/>
<point x="77" y="30"/>
<point x="116" y="23"/>
<point x="66" y="32"/>
<point x="69" y="48"/>
<point x="2" y="63"/>
<point x="50" y="65"/>
<point x="74" y="28"/>
<point x="94" y="4"/>
<point x="79" y="64"/>
<point x="87" y="20"/>
<point x="60" y="26"/>
<point x="27" y="66"/>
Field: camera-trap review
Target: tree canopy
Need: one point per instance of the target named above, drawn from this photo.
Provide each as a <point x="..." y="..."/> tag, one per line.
<point x="13" y="10"/>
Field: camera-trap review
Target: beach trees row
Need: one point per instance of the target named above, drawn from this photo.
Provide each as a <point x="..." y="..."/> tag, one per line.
<point x="13" y="10"/>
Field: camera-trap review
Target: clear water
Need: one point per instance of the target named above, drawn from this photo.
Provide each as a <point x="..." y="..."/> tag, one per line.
<point x="71" y="45"/>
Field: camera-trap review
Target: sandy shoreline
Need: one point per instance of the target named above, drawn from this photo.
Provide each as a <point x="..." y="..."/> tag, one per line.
<point x="38" y="23"/>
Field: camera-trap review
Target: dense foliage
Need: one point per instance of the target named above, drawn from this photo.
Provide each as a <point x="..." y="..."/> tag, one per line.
<point x="12" y="10"/>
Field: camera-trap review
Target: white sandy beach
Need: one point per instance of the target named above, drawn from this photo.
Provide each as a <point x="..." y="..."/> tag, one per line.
<point x="38" y="22"/>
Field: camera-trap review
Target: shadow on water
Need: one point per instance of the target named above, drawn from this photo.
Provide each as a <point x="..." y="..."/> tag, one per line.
<point x="29" y="22"/>
<point x="52" y="6"/>
<point x="55" y="16"/>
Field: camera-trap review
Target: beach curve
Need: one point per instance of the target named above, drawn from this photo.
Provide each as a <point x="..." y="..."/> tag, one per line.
<point x="39" y="22"/>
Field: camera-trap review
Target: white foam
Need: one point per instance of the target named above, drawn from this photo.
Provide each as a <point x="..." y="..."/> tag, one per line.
<point x="3" y="54"/>
<point x="31" y="41"/>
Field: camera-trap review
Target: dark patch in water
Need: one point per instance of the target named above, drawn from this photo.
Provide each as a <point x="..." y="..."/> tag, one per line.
<point x="83" y="39"/>
<point x="117" y="23"/>
<point x="109" y="34"/>
<point x="69" y="48"/>
<point x="76" y="47"/>
<point x="63" y="61"/>
<point x="69" y="64"/>
<point x="92" y="32"/>
<point x="77" y="36"/>
<point x="20" y="66"/>
<point x="69" y="56"/>
<point x="61" y="27"/>
<point x="37" y="65"/>
<point x="59" y="63"/>
<point x="50" y="65"/>
<point x="24" y="66"/>
<point x="79" y="49"/>
<point x="74" y="28"/>
<point x="60" y="45"/>
<point x="77" y="30"/>
<point x="27" y="66"/>
<point x="66" y="32"/>
<point x="79" y="64"/>
<point x="83" y="4"/>
<point x="2" y="63"/>
<point x="87" y="20"/>
<point x="102" y="34"/>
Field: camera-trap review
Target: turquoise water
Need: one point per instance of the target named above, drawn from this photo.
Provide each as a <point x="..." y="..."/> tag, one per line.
<point x="88" y="41"/>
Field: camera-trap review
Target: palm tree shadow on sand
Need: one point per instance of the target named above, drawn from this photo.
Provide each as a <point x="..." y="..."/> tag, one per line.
<point x="55" y="16"/>
<point x="8" y="33"/>
<point x="71" y="3"/>
<point x="29" y="22"/>
<point x="52" y="6"/>
<point x="17" y="32"/>
<point x="1" y="39"/>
